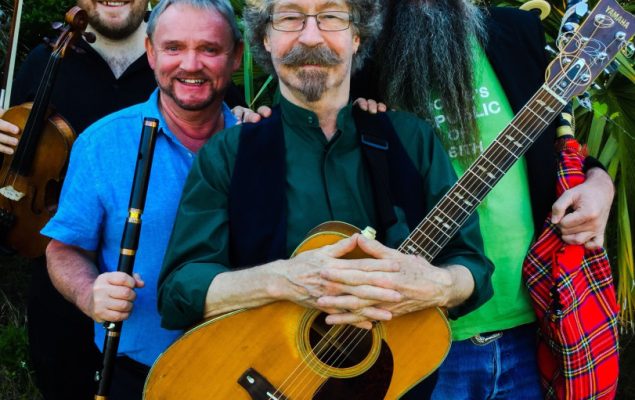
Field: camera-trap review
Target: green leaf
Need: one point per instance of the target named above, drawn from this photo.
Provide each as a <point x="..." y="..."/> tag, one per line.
<point x="596" y="133"/>
<point x="608" y="151"/>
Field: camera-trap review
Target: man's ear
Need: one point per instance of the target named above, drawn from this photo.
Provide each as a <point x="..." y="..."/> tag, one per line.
<point x="150" y="52"/>
<point x="356" y="42"/>
<point x="238" y="54"/>
<point x="265" y="41"/>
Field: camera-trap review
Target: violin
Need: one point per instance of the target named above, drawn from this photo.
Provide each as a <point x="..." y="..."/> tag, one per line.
<point x="31" y="178"/>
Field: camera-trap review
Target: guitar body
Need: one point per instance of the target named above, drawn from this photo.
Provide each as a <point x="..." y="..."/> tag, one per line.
<point x="285" y="351"/>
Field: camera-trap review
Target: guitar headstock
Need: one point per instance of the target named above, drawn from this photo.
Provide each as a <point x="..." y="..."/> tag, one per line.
<point x="588" y="50"/>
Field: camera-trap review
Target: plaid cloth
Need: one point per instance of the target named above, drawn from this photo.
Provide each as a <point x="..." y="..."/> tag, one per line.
<point x="574" y="299"/>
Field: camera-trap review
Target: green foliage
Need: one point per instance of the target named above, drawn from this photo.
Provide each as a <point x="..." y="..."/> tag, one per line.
<point x="37" y="17"/>
<point x="259" y="87"/>
<point x="15" y="376"/>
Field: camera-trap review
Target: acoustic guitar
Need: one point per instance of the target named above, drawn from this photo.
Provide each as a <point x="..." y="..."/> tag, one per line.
<point x="284" y="351"/>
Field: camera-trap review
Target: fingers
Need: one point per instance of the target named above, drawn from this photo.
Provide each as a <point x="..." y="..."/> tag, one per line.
<point x="370" y="105"/>
<point x="7" y="140"/>
<point x="139" y="283"/>
<point x="359" y="278"/>
<point x="595" y="243"/>
<point x="359" y="297"/>
<point x="559" y="208"/>
<point x="361" y="103"/>
<point x="264" y="111"/>
<point x="250" y="116"/>
<point x="375" y="249"/>
<point x="244" y="114"/>
<point x="341" y="248"/>
<point x="585" y="238"/>
<point x="119" y="279"/>
<point x="576" y="222"/>
<point x="238" y="112"/>
<point x="363" y="316"/>
<point x="113" y="296"/>
<point x="589" y="206"/>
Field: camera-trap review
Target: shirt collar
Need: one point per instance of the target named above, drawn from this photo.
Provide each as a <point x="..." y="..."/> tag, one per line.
<point x="304" y="120"/>
<point x="151" y="109"/>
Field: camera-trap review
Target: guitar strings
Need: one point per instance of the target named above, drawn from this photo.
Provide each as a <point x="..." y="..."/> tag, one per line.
<point x="311" y="375"/>
<point x="344" y="353"/>
<point x="320" y="348"/>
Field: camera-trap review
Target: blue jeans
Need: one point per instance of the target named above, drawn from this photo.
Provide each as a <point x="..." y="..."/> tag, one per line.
<point x="504" y="368"/>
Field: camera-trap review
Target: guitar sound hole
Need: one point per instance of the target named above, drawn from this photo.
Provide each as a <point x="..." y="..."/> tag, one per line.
<point x="340" y="346"/>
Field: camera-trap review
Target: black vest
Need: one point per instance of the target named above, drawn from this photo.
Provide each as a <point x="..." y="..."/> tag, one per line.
<point x="257" y="194"/>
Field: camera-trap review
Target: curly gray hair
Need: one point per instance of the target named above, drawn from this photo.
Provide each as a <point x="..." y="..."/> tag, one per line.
<point x="367" y="19"/>
<point x="224" y="7"/>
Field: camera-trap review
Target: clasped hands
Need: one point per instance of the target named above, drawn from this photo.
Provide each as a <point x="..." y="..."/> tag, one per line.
<point x="359" y="291"/>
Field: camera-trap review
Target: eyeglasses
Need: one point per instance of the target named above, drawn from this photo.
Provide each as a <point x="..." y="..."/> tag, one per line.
<point x="291" y="21"/>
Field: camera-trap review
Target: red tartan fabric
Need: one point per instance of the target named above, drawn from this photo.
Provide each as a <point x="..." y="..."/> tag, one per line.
<point x="574" y="299"/>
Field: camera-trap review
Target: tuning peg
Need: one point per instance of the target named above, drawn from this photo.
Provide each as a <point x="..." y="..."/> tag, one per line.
<point x="57" y="25"/>
<point x="89" y="37"/>
<point x="628" y="50"/>
<point x="570" y="27"/>
<point x="581" y="9"/>
<point x="610" y="69"/>
<point x="584" y="100"/>
<point x="550" y="50"/>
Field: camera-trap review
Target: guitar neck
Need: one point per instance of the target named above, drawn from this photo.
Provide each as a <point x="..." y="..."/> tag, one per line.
<point x="451" y="212"/>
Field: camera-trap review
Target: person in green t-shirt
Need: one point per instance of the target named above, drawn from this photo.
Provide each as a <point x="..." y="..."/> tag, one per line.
<point x="469" y="70"/>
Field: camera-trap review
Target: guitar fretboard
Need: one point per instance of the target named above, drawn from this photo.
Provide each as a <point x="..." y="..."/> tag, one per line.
<point x="451" y="212"/>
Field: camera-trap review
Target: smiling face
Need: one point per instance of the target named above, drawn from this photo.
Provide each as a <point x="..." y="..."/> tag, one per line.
<point x="193" y="55"/>
<point x="312" y="62"/>
<point x="114" y="19"/>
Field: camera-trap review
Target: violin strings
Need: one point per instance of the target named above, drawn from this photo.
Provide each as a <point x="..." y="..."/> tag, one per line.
<point x="27" y="138"/>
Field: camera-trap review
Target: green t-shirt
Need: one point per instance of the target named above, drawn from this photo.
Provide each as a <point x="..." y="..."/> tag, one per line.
<point x="326" y="180"/>
<point x="505" y="215"/>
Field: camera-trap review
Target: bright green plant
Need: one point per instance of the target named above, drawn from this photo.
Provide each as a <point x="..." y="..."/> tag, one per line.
<point x="259" y="87"/>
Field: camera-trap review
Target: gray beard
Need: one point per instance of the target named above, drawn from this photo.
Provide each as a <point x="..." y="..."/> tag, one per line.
<point x="313" y="83"/>
<point x="425" y="53"/>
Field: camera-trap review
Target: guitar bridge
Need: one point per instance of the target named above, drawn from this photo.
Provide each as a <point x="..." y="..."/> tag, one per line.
<point x="258" y="387"/>
<point x="11" y="193"/>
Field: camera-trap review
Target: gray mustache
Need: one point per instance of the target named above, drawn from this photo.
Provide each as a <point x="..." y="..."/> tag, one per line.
<point x="301" y="55"/>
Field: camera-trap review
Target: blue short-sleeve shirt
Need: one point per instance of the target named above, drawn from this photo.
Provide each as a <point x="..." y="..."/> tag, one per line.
<point x="93" y="208"/>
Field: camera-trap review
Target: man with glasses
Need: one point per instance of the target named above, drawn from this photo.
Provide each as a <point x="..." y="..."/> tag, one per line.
<point x="193" y="46"/>
<point x="254" y="192"/>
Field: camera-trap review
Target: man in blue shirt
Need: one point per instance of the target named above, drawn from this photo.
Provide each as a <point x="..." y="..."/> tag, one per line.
<point x="193" y="46"/>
